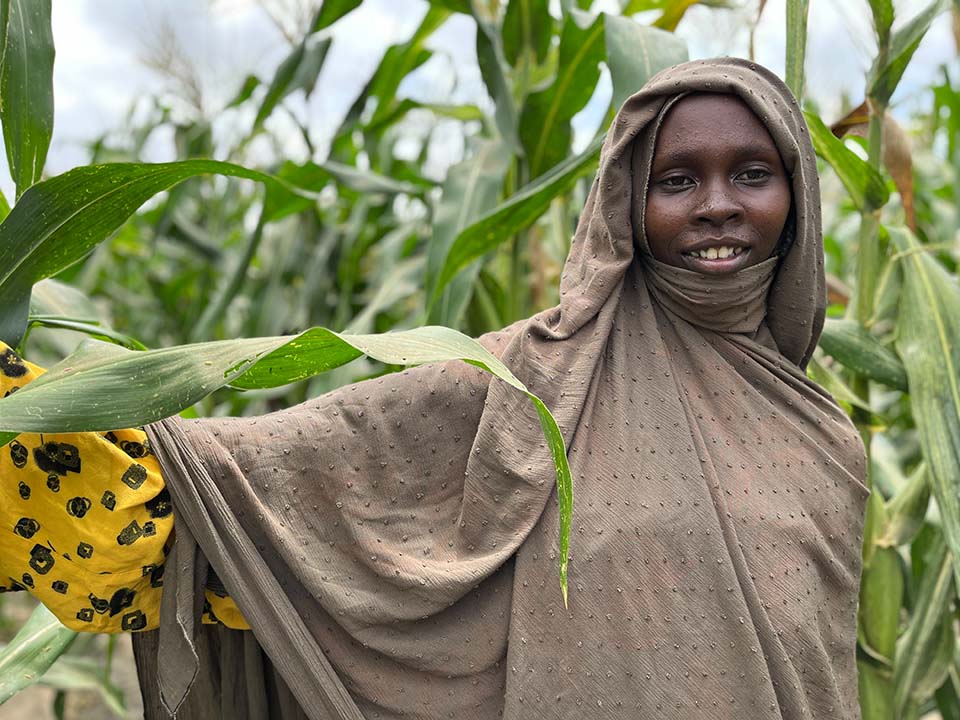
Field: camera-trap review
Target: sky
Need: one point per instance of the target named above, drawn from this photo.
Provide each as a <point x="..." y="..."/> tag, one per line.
<point x="100" y="73"/>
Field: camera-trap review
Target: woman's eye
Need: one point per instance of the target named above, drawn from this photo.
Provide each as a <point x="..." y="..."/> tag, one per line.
<point x="676" y="182"/>
<point x="754" y="175"/>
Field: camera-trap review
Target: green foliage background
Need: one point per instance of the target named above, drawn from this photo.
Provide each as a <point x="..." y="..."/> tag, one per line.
<point x="358" y="241"/>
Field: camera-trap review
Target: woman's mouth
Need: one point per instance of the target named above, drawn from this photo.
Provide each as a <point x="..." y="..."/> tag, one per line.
<point x="717" y="259"/>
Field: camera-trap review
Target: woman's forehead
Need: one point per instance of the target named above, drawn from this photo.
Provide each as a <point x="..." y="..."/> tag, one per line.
<point x="708" y="121"/>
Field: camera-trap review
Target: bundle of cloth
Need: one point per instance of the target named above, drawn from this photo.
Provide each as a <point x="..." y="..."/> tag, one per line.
<point x="393" y="544"/>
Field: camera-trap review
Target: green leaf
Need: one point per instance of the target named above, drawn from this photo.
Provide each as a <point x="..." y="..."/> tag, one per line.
<point x="907" y="510"/>
<point x="490" y="58"/>
<point x="922" y="636"/>
<point x="91" y="329"/>
<point x="859" y="350"/>
<point x="52" y="297"/>
<point x="545" y="120"/>
<point x="875" y="692"/>
<point x="298" y="71"/>
<point x="460" y="6"/>
<point x="398" y="61"/>
<point x="797" y="11"/>
<point x="289" y="198"/>
<point x="80" y="673"/>
<point x="881" y="592"/>
<point x="24" y="660"/>
<point x="26" y="88"/>
<point x="948" y="694"/>
<point x="471" y="189"/>
<point x="928" y="342"/>
<point x="331" y="11"/>
<point x="103" y="387"/>
<point x="633" y="53"/>
<point x="886" y="72"/>
<point x="865" y="185"/>
<point x="636" y="52"/>
<point x="364" y="181"/>
<point x="515" y="214"/>
<point x="399" y="111"/>
<point x="403" y="281"/>
<point x="882" y="18"/>
<point x="527" y="28"/>
<point x="58" y="221"/>
<point x="250" y="83"/>
<point x="835" y="385"/>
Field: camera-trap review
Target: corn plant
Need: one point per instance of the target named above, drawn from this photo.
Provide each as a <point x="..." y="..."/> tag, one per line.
<point x="312" y="262"/>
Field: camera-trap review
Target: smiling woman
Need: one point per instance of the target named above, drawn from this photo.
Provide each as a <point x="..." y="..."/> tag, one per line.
<point x="718" y="197"/>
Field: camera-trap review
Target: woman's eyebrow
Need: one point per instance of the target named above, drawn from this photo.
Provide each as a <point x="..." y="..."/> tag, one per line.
<point x="688" y="155"/>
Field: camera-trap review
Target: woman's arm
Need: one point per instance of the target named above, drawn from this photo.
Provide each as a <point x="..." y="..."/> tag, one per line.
<point x="85" y="523"/>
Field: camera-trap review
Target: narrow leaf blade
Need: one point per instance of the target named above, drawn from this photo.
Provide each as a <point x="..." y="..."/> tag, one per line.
<point x="25" y="659"/>
<point x="58" y="221"/>
<point x="865" y="185"/>
<point x="516" y="213"/>
<point x="26" y="89"/>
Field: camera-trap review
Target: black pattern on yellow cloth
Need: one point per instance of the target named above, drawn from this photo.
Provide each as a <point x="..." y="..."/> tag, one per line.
<point x="85" y="521"/>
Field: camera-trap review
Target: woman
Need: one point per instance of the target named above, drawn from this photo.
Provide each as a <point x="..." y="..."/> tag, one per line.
<point x="393" y="543"/>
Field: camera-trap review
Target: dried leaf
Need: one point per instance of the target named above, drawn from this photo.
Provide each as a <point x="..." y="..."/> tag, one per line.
<point x="897" y="156"/>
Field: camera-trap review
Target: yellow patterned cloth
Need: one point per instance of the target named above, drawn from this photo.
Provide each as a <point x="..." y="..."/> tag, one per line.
<point x="85" y="524"/>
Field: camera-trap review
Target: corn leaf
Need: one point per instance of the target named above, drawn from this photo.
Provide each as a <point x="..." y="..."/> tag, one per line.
<point x="250" y="83"/>
<point x="635" y="53"/>
<point x="835" y="385"/>
<point x="25" y="659"/>
<point x="881" y="592"/>
<point x="26" y="87"/>
<point x="861" y="351"/>
<point x="886" y="72"/>
<point x="928" y="341"/>
<point x="298" y="71"/>
<point x="875" y="691"/>
<point x="92" y="329"/>
<point x="103" y="387"/>
<point x="52" y="297"/>
<point x="490" y="58"/>
<point x="79" y="673"/>
<point x="545" y="120"/>
<point x="471" y="190"/>
<point x="922" y="636"/>
<point x="797" y="11"/>
<point x="527" y="28"/>
<point x="516" y="213"/>
<point x="331" y="11"/>
<point x="882" y="18"/>
<point x="865" y="185"/>
<point x="398" y="61"/>
<point x="60" y="220"/>
<point x="906" y="510"/>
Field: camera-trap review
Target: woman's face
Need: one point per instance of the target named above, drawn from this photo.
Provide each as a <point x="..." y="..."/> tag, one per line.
<point x="718" y="196"/>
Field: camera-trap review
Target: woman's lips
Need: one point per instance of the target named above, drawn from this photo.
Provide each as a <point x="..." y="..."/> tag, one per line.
<point x="718" y="266"/>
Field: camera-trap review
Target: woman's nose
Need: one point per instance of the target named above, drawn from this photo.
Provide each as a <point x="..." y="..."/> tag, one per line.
<point x="718" y="206"/>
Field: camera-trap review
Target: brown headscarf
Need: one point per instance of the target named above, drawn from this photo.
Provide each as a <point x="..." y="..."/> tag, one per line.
<point x="393" y="544"/>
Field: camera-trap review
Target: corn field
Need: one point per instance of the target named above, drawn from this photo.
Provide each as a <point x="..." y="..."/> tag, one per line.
<point x="261" y="279"/>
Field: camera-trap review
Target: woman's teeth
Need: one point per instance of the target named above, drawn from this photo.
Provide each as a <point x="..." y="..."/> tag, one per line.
<point x="717" y="253"/>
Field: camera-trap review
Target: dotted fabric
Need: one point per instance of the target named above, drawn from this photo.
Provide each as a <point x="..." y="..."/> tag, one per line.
<point x="85" y="521"/>
<point x="394" y="543"/>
